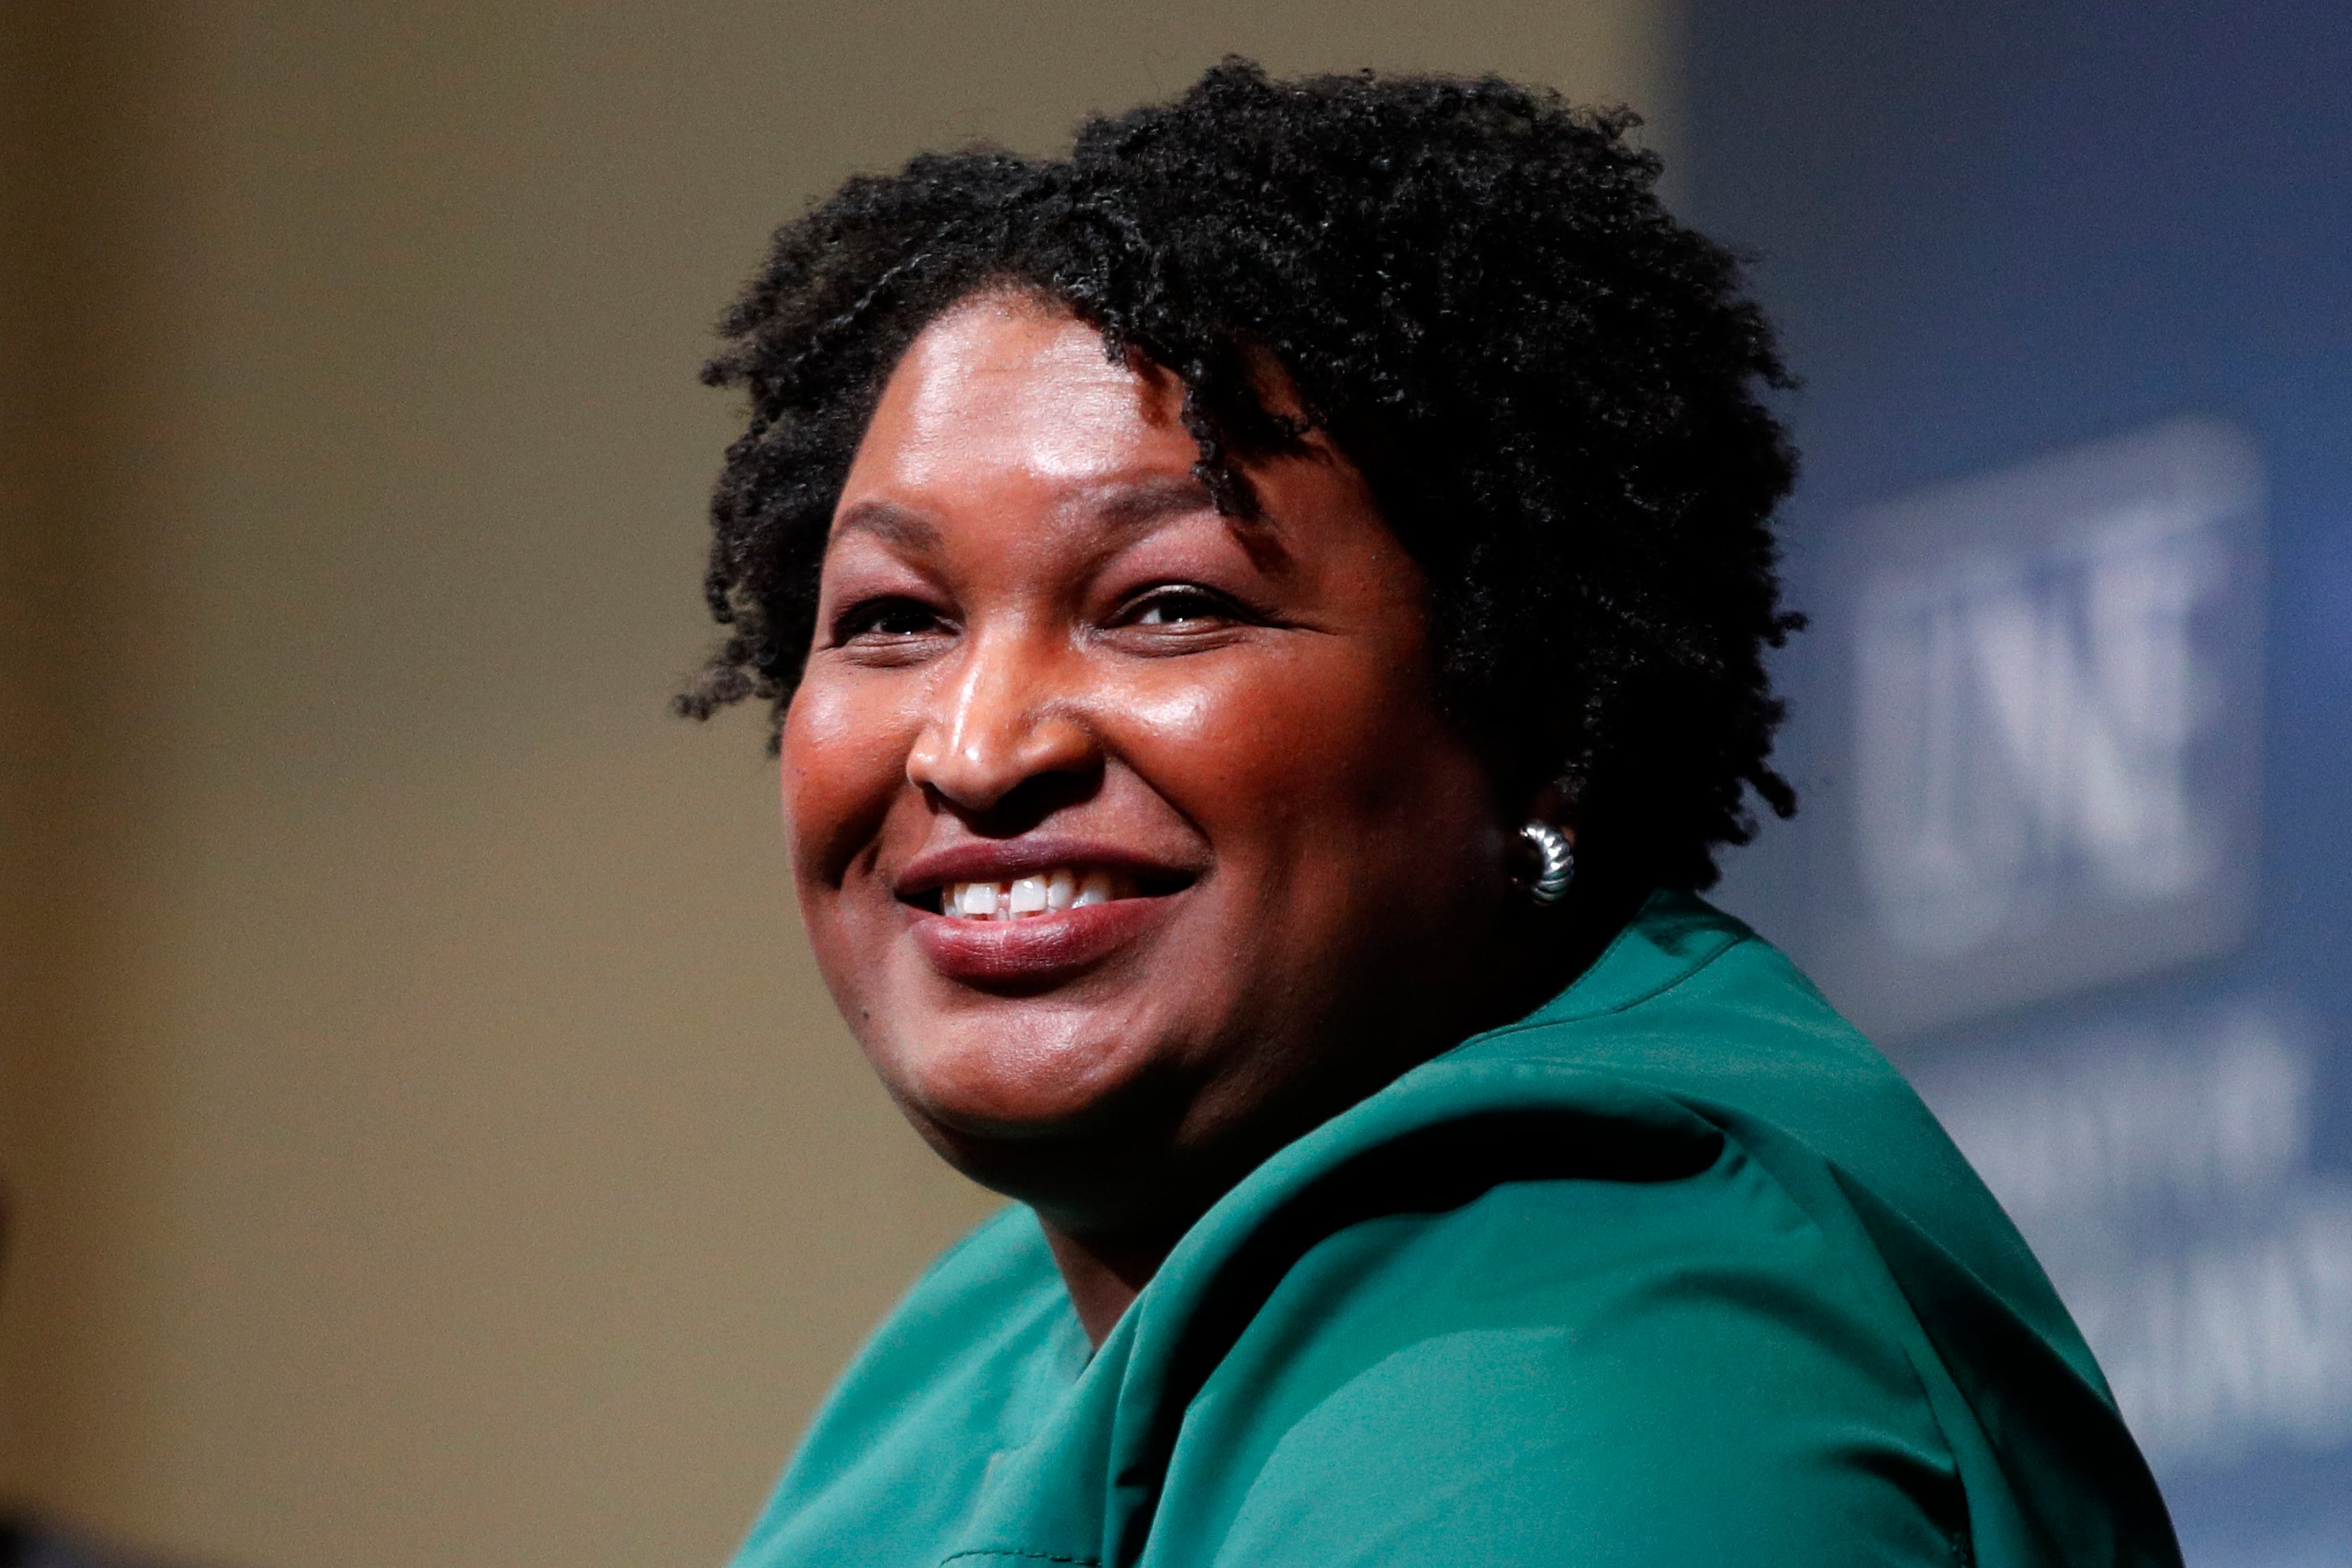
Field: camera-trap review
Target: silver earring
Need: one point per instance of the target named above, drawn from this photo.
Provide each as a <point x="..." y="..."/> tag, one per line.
<point x="1556" y="858"/>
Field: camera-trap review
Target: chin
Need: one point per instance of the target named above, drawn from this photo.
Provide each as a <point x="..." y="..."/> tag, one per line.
<point x="1016" y="1079"/>
<point x="1074" y="1127"/>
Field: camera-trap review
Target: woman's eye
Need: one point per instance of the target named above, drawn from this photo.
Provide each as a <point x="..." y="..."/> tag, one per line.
<point x="885" y="618"/>
<point x="1178" y="606"/>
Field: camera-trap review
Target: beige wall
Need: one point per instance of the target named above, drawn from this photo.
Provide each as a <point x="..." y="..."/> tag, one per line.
<point x="427" y="1140"/>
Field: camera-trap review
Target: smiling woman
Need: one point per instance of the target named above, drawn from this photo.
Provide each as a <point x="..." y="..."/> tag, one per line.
<point x="1044" y="658"/>
<point x="1219" y="591"/>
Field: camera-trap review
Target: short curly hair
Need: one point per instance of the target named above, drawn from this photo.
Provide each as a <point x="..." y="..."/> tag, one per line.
<point x="1554" y="389"/>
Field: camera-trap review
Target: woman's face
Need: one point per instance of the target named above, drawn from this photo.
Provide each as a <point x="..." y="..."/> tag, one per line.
<point x="1130" y="836"/>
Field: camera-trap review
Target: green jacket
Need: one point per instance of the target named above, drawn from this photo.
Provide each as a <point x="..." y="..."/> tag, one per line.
<point x="1676" y="1270"/>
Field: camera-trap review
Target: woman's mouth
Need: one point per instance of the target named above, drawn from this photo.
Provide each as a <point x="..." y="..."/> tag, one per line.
<point x="1037" y="924"/>
<point x="1048" y="892"/>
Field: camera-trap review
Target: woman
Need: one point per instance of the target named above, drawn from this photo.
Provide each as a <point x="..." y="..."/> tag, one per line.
<point x="1265" y="620"/>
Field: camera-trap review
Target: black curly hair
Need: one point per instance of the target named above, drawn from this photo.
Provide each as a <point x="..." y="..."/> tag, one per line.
<point x="1552" y="386"/>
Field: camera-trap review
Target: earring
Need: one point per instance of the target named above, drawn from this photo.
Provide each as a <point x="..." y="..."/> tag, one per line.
<point x="1556" y="858"/>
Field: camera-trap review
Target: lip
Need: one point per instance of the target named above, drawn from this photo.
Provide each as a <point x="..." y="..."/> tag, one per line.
<point x="1036" y="951"/>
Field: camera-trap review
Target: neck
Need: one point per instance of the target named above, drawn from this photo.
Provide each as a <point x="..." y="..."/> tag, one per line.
<point x="1104" y="1273"/>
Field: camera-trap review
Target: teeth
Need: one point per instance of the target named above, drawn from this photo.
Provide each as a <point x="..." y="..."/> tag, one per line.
<point x="1050" y="892"/>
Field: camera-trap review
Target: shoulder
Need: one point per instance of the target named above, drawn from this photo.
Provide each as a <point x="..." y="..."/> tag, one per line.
<point x="1568" y="1371"/>
<point x="1676" y="1270"/>
<point x="1702" y="1010"/>
<point x="1602" y="1299"/>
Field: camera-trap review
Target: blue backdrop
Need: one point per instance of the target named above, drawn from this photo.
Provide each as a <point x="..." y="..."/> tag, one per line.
<point x="2102" y="254"/>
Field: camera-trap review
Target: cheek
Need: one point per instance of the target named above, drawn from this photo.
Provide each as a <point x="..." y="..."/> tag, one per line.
<point x="1327" y="741"/>
<point x="844" y="761"/>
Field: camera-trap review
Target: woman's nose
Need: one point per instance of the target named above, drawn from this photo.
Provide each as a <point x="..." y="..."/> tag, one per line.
<point x="1002" y="723"/>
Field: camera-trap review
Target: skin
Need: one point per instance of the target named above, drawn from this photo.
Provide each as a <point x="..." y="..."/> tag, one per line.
<point x="1037" y="636"/>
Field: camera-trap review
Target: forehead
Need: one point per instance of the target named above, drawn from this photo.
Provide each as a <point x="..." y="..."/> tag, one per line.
<point x="1009" y="387"/>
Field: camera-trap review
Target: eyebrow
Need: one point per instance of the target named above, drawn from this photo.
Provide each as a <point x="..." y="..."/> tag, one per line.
<point x="1136" y="507"/>
<point x="1126" y="507"/>
<point x="1138" y="504"/>
<point x="890" y="523"/>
